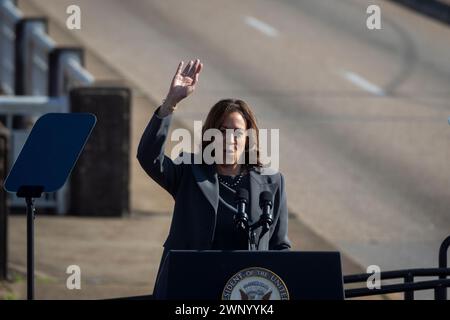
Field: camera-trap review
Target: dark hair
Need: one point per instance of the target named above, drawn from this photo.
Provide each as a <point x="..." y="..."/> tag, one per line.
<point x="215" y="119"/>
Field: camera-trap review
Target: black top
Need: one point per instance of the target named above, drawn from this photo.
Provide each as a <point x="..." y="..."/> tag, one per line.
<point x="227" y="236"/>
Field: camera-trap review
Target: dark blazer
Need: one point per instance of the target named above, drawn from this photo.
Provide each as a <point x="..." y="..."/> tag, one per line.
<point x="195" y="189"/>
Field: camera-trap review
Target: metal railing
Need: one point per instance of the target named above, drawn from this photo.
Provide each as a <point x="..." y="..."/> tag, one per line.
<point x="407" y="287"/>
<point x="9" y="16"/>
<point x="408" y="276"/>
<point x="37" y="76"/>
<point x="37" y="48"/>
<point x="73" y="74"/>
<point x="11" y="106"/>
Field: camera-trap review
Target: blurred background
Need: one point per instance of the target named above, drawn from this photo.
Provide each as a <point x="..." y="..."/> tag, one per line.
<point x="362" y="114"/>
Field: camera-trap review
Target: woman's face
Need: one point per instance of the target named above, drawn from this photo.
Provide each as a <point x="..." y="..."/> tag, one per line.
<point x="233" y="140"/>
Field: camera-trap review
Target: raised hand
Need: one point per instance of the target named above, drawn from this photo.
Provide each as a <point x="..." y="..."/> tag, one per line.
<point x="184" y="81"/>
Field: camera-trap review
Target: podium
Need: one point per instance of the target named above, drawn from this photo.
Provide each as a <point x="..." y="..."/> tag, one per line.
<point x="250" y="275"/>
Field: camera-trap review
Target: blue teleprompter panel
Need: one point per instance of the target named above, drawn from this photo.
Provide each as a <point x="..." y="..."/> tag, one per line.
<point x="51" y="151"/>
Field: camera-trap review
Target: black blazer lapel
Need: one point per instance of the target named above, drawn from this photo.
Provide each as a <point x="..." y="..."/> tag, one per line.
<point x="206" y="179"/>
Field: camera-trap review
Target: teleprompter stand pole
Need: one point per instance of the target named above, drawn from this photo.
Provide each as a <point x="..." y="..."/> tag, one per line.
<point x="29" y="193"/>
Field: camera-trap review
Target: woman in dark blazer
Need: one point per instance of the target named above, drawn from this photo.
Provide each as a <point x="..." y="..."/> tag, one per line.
<point x="204" y="194"/>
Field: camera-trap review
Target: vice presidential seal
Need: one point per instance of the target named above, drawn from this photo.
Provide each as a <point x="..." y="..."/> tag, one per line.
<point x="255" y="284"/>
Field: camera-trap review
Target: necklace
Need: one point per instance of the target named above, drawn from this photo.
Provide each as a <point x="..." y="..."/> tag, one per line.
<point x="231" y="185"/>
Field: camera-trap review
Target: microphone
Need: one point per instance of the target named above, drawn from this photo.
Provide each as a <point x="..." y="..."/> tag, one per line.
<point x="265" y="202"/>
<point x="241" y="218"/>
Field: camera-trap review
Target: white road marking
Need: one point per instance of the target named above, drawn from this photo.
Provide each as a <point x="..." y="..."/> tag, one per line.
<point x="263" y="27"/>
<point x="362" y="83"/>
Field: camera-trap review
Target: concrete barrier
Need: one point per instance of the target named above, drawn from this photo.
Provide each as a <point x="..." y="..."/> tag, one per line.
<point x="100" y="181"/>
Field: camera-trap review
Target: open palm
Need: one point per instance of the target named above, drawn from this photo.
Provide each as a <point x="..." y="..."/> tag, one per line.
<point x="183" y="82"/>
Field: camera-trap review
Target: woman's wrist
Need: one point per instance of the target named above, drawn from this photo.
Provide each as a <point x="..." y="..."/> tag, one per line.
<point x="168" y="106"/>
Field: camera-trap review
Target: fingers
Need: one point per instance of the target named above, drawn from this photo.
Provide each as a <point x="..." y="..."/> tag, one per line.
<point x="187" y="68"/>
<point x="180" y="66"/>
<point x="199" y="68"/>
<point x="197" y="72"/>
<point x="194" y="82"/>
<point x="193" y="68"/>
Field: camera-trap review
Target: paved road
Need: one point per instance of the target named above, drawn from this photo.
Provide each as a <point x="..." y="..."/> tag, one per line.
<point x="364" y="140"/>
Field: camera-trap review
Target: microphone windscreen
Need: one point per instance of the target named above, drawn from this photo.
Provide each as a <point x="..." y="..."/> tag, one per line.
<point x="265" y="196"/>
<point x="242" y="194"/>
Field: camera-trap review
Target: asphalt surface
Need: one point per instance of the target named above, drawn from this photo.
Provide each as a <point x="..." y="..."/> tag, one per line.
<point x="364" y="139"/>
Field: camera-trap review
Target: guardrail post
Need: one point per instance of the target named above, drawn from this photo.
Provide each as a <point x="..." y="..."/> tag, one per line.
<point x="20" y="57"/>
<point x="441" y="293"/>
<point x="7" y="45"/>
<point x="409" y="294"/>
<point x="20" y="51"/>
<point x="56" y="85"/>
<point x="100" y="180"/>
